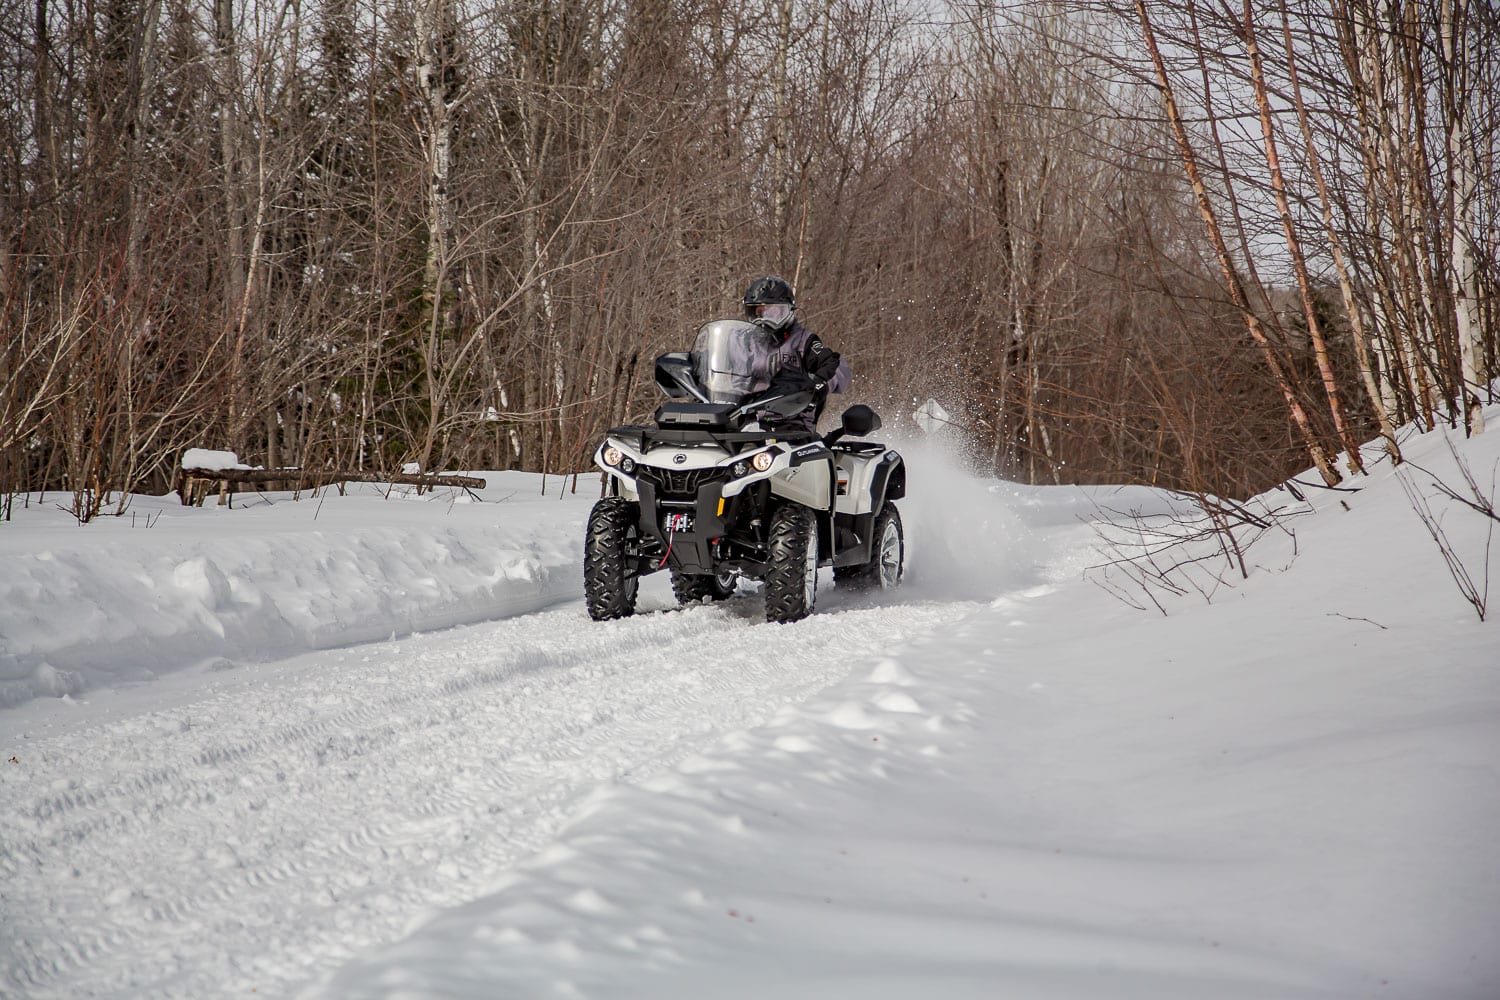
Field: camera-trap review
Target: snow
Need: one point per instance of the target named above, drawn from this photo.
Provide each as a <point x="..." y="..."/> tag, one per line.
<point x="371" y="746"/>
<point x="164" y="587"/>
<point x="211" y="460"/>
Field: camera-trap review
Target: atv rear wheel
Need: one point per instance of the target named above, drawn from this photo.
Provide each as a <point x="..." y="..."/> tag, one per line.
<point x="692" y="588"/>
<point x="611" y="576"/>
<point x="887" y="556"/>
<point x="792" y="570"/>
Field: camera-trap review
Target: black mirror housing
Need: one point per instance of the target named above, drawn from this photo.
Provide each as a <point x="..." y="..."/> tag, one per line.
<point x="674" y="377"/>
<point x="860" y="420"/>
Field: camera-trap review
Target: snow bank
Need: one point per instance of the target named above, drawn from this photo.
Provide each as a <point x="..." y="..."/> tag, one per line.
<point x="166" y="587"/>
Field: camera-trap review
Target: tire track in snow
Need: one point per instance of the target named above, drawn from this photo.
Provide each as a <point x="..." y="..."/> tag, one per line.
<point x="256" y="837"/>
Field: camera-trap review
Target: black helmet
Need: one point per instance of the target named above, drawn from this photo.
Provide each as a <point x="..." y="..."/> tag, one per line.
<point x="762" y="298"/>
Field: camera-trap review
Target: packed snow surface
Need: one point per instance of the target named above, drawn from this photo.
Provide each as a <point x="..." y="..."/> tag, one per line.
<point x="370" y="745"/>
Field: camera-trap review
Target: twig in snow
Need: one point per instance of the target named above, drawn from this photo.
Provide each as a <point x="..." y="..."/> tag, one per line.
<point x="1355" y="618"/>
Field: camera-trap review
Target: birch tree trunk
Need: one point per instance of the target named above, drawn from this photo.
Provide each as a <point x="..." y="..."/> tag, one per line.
<point x="1293" y="244"/>
<point x="1463" y="169"/>
<point x="1380" y="397"/>
<point x="1232" y="278"/>
<point x="437" y="80"/>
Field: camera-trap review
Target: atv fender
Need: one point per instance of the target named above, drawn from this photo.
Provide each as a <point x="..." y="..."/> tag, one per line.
<point x="887" y="481"/>
<point x="808" y="478"/>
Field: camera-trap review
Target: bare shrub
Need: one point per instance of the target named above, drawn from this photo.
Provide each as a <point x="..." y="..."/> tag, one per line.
<point x="1154" y="559"/>
<point x="1470" y="571"/>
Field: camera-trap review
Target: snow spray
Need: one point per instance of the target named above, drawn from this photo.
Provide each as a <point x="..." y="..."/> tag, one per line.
<point x="964" y="535"/>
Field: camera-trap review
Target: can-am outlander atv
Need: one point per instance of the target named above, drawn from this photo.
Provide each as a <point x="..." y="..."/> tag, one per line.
<point x="716" y="490"/>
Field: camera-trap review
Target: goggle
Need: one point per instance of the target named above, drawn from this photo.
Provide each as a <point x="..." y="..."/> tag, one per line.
<point x="775" y="312"/>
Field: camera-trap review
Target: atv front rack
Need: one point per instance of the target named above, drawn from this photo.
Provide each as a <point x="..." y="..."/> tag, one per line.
<point x="643" y="437"/>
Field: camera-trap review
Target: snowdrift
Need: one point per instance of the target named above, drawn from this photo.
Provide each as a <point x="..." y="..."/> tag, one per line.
<point x="166" y="587"/>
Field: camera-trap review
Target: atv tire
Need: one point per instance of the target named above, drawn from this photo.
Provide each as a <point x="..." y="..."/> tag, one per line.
<point x="887" y="556"/>
<point x="692" y="588"/>
<point x="792" y="569"/>
<point x="611" y="576"/>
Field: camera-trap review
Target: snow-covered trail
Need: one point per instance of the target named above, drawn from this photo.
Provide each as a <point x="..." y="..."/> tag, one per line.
<point x="1004" y="779"/>
<point x="271" y="823"/>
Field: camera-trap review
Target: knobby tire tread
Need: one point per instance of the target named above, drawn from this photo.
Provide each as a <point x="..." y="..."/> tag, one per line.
<point x="606" y="579"/>
<point x="786" y="599"/>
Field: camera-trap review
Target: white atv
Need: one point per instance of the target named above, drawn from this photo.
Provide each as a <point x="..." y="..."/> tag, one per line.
<point x="716" y="491"/>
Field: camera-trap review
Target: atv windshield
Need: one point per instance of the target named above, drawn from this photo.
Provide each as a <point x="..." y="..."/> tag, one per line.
<point x="732" y="359"/>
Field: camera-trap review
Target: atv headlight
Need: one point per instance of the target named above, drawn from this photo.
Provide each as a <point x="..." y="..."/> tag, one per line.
<point x="627" y="466"/>
<point x="612" y="456"/>
<point x="762" y="461"/>
<point x="739" y="469"/>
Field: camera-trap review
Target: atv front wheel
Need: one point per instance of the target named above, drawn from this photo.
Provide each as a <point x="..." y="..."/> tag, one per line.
<point x="610" y="575"/>
<point x="692" y="588"/>
<point x="887" y="556"/>
<point x="792" y="573"/>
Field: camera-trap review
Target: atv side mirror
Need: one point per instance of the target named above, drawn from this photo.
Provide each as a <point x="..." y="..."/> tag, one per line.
<point x="860" y="420"/>
<point x="674" y="376"/>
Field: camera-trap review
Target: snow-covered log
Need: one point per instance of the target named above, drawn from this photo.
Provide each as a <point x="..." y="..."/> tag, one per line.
<point x="194" y="483"/>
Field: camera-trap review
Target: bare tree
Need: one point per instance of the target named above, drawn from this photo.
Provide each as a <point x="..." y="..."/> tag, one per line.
<point x="339" y="233"/>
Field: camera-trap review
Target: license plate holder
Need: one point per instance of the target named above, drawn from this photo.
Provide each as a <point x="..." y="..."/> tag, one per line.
<point x="677" y="522"/>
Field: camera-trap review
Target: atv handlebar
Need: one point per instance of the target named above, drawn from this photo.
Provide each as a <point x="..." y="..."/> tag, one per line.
<point x="783" y="405"/>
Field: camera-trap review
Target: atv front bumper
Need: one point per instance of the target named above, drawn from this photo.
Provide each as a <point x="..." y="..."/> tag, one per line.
<point x="687" y="514"/>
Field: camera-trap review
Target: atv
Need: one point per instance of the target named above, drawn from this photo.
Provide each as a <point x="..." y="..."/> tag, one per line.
<point x="719" y="488"/>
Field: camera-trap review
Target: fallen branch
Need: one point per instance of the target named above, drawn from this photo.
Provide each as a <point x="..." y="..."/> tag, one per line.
<point x="327" y="476"/>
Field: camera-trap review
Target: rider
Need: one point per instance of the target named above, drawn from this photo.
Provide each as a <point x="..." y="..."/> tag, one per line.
<point x="806" y="362"/>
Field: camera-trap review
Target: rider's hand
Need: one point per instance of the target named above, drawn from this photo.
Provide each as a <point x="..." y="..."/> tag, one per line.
<point x="822" y="364"/>
<point x="787" y="382"/>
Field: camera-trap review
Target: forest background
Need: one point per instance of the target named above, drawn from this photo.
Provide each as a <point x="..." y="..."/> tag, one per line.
<point x="1184" y="243"/>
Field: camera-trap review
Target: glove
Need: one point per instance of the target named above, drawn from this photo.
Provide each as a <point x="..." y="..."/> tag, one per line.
<point x="824" y="364"/>
<point x="787" y="382"/>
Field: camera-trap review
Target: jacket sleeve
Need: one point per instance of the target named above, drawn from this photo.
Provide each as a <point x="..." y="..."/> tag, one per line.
<point x="824" y="364"/>
<point x="841" y="378"/>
